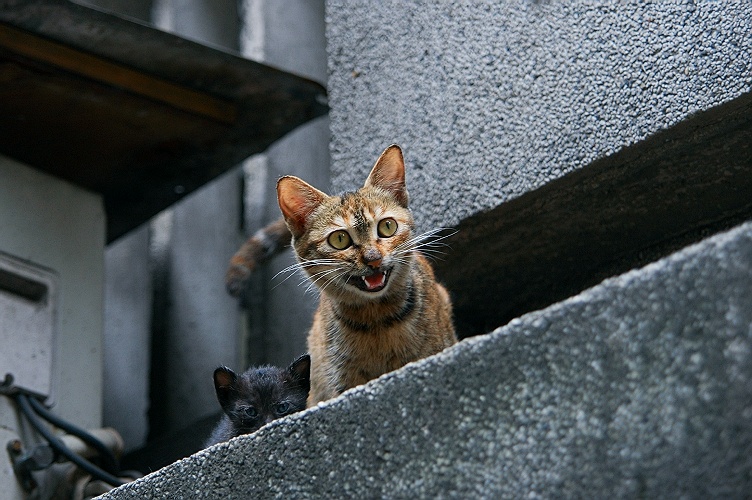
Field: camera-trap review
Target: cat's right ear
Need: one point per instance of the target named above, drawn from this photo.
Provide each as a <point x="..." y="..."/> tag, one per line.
<point x="225" y="386"/>
<point x="300" y="370"/>
<point x="297" y="200"/>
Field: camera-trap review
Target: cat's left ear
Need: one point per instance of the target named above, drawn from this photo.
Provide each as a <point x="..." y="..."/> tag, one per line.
<point x="300" y="371"/>
<point x="389" y="174"/>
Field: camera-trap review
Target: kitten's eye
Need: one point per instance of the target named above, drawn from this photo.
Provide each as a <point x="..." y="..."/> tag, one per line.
<point x="387" y="227"/>
<point x="282" y="408"/>
<point x="340" y="239"/>
<point x="250" y="412"/>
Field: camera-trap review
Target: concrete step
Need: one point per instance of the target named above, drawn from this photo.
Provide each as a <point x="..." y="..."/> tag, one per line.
<point x="638" y="387"/>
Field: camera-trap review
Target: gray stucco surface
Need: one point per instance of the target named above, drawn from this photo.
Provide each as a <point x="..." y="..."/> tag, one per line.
<point x="491" y="100"/>
<point x="638" y="387"/>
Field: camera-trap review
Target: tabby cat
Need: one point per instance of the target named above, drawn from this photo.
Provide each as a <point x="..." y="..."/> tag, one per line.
<point x="380" y="306"/>
<point x="258" y="396"/>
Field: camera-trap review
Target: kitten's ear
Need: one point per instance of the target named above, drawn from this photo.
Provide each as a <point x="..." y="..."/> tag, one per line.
<point x="297" y="199"/>
<point x="300" y="371"/>
<point x="225" y="386"/>
<point x="389" y="174"/>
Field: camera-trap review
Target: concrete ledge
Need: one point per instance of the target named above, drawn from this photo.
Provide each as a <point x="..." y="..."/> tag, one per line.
<point x="639" y="387"/>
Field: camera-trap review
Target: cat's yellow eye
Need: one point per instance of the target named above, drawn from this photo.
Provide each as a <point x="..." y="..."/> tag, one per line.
<point x="387" y="227"/>
<point x="340" y="239"/>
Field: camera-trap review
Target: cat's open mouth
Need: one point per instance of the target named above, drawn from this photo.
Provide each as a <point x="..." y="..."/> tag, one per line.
<point x="375" y="282"/>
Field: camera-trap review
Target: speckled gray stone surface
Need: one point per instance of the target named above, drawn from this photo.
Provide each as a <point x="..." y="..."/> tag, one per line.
<point x="639" y="387"/>
<point x="491" y="100"/>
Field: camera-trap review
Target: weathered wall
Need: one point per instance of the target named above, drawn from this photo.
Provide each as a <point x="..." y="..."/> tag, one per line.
<point x="566" y="141"/>
<point x="639" y="387"/>
<point x="127" y="336"/>
<point x="51" y="224"/>
<point x="491" y="100"/>
<point x="169" y="320"/>
<point x="70" y="242"/>
<point x="290" y="36"/>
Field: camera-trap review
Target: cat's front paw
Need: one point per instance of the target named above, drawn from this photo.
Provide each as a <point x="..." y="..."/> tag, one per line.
<point x="236" y="279"/>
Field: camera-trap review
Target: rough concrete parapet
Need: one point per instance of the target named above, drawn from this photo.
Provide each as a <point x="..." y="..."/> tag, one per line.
<point x="638" y="387"/>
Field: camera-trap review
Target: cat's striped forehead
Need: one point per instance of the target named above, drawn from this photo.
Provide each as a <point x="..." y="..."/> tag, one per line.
<point x="362" y="209"/>
<point x="358" y="213"/>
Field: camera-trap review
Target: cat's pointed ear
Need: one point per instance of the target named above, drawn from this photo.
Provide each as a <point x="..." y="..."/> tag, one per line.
<point x="297" y="200"/>
<point x="300" y="371"/>
<point x="225" y="386"/>
<point x="389" y="174"/>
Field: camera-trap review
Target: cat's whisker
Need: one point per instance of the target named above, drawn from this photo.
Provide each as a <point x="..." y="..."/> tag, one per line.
<point x="312" y="288"/>
<point x="441" y="234"/>
<point x="335" y="280"/>
<point x="316" y="277"/>
<point x="434" y="256"/>
<point x="325" y="276"/>
<point x="342" y="277"/>
<point x="290" y="275"/>
<point x="426" y="242"/>
<point x="338" y="281"/>
<point x="301" y="266"/>
<point x="425" y="249"/>
<point x="431" y="248"/>
<point x="423" y="237"/>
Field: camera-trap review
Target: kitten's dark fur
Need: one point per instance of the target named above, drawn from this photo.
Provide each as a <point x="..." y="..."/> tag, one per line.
<point x="258" y="396"/>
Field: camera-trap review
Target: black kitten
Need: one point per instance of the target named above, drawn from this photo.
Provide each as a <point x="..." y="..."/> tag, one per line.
<point x="259" y="396"/>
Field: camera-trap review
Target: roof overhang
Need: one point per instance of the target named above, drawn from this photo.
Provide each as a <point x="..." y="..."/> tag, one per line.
<point x="141" y="116"/>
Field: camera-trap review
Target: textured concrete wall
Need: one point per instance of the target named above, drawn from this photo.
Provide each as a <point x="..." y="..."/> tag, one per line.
<point x="127" y="336"/>
<point x="639" y="387"/>
<point x="60" y="227"/>
<point x="491" y="100"/>
<point x="566" y="141"/>
<point x="165" y="280"/>
<point x="55" y="226"/>
<point x="290" y="36"/>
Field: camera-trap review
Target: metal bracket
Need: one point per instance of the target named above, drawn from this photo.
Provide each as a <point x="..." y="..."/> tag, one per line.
<point x="24" y="463"/>
<point x="8" y="388"/>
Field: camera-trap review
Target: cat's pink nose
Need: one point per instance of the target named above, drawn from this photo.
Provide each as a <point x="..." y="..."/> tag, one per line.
<point x="372" y="258"/>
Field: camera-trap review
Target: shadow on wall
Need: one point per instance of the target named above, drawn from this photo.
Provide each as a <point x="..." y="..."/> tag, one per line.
<point x="620" y="212"/>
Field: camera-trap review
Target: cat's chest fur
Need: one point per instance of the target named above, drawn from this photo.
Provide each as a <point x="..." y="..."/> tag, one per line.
<point x="369" y="341"/>
<point x="356" y="344"/>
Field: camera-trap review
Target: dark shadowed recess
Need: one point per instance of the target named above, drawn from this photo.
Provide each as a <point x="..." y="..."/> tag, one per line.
<point x="620" y="212"/>
<point x="171" y="447"/>
<point x="140" y="116"/>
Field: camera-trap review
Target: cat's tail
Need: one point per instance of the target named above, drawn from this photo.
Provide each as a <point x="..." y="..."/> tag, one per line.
<point x="267" y="242"/>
